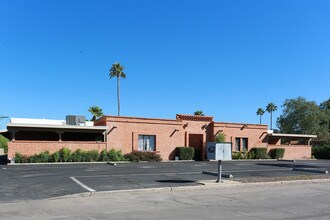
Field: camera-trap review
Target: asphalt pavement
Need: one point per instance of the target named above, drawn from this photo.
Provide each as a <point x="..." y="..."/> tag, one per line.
<point x="267" y="201"/>
<point x="31" y="182"/>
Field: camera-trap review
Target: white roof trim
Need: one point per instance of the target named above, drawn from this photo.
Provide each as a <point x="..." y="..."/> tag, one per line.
<point x="292" y="135"/>
<point x="13" y="125"/>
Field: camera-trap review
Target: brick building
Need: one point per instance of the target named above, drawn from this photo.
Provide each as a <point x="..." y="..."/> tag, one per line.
<point x="148" y="134"/>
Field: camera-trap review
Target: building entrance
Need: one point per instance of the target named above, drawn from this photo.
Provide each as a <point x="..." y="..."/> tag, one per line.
<point x="196" y="141"/>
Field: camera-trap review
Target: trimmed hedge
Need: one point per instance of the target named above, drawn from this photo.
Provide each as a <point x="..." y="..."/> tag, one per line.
<point x="137" y="156"/>
<point x="276" y="153"/>
<point x="259" y="152"/>
<point x="321" y="152"/>
<point x="185" y="153"/>
<point x="65" y="155"/>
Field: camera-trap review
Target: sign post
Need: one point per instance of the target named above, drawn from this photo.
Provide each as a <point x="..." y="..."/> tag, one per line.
<point x="219" y="171"/>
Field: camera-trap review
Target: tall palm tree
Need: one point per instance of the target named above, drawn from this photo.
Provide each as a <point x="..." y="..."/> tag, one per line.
<point x="199" y="112"/>
<point x="96" y="112"/>
<point x="117" y="71"/>
<point x="271" y="107"/>
<point x="260" y="112"/>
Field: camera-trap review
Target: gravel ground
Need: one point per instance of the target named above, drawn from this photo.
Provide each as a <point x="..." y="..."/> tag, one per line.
<point x="283" y="178"/>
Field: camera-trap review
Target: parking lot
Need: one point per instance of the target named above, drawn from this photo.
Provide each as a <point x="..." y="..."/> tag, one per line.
<point x="26" y="182"/>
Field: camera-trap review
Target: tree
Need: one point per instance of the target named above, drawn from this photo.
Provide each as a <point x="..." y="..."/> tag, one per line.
<point x="271" y="107"/>
<point x="117" y="71"/>
<point x="260" y="112"/>
<point x="199" y="112"/>
<point x="304" y="117"/>
<point x="96" y="111"/>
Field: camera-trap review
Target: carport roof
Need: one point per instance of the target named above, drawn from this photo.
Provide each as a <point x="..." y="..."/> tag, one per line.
<point x="279" y="135"/>
<point x="71" y="127"/>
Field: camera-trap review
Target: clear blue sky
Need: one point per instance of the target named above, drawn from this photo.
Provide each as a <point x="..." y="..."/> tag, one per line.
<point x="227" y="58"/>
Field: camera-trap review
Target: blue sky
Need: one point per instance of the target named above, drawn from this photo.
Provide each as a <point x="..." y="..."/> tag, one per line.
<point x="227" y="58"/>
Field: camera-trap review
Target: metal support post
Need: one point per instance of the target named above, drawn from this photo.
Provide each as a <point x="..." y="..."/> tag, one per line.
<point x="219" y="171"/>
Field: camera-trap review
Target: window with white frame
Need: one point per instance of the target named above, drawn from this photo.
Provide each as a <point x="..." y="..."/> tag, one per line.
<point x="147" y="142"/>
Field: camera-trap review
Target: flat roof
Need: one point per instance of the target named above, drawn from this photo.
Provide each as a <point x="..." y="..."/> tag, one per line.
<point x="292" y="135"/>
<point x="71" y="127"/>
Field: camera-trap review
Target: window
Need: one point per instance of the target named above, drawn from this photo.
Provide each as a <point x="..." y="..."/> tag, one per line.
<point x="244" y="144"/>
<point x="147" y="142"/>
<point x="237" y="144"/>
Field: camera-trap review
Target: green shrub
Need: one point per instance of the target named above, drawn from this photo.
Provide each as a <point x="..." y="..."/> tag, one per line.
<point x="19" y="158"/>
<point x="4" y="143"/>
<point x="93" y="155"/>
<point x="236" y="155"/>
<point x="65" y="154"/>
<point x="137" y="156"/>
<point x="243" y="155"/>
<point x="259" y="152"/>
<point x="77" y="156"/>
<point x="55" y="157"/>
<point x="103" y="156"/>
<point x="220" y="138"/>
<point x="276" y="153"/>
<point x="185" y="153"/>
<point x="321" y="152"/>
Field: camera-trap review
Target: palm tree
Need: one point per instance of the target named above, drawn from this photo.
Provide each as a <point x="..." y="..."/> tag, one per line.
<point x="117" y="71"/>
<point x="199" y="112"/>
<point x="96" y="112"/>
<point x="260" y="112"/>
<point x="271" y="107"/>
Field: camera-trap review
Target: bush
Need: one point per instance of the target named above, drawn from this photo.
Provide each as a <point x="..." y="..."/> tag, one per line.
<point x="149" y="156"/>
<point x="321" y="152"/>
<point x="103" y="156"/>
<point x="77" y="156"/>
<point x="4" y="143"/>
<point x="65" y="154"/>
<point x="259" y="152"/>
<point x="220" y="138"/>
<point x="114" y="155"/>
<point x="243" y="155"/>
<point x="19" y="158"/>
<point x="276" y="153"/>
<point x="185" y="153"/>
<point x="92" y="155"/>
<point x="55" y="157"/>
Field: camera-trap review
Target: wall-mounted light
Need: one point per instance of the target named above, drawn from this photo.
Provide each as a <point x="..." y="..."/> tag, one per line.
<point x="204" y="126"/>
<point x="185" y="125"/>
<point x="114" y="127"/>
<point x="175" y="130"/>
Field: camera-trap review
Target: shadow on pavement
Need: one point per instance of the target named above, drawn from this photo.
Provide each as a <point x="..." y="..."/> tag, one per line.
<point x="175" y="181"/>
<point x="287" y="165"/>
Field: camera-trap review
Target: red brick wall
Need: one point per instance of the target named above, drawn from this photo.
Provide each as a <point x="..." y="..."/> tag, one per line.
<point x="294" y="151"/>
<point x="256" y="134"/>
<point x="30" y="148"/>
<point x="169" y="134"/>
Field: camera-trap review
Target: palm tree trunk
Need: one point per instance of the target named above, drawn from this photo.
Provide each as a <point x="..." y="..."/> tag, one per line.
<point x="271" y="120"/>
<point x="118" y="95"/>
<point x="260" y="119"/>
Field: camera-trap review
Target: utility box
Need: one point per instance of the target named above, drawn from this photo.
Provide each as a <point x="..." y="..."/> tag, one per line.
<point x="219" y="151"/>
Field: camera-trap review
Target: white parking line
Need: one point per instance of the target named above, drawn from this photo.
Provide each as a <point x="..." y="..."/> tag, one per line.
<point x="83" y="185"/>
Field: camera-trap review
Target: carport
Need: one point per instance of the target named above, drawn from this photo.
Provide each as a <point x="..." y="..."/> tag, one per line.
<point x="297" y="146"/>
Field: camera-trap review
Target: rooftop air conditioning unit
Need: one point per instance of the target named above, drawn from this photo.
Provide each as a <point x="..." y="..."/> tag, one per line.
<point x="75" y="120"/>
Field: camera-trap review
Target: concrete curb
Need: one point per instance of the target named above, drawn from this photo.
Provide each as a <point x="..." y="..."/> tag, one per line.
<point x="69" y="163"/>
<point x="202" y="185"/>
